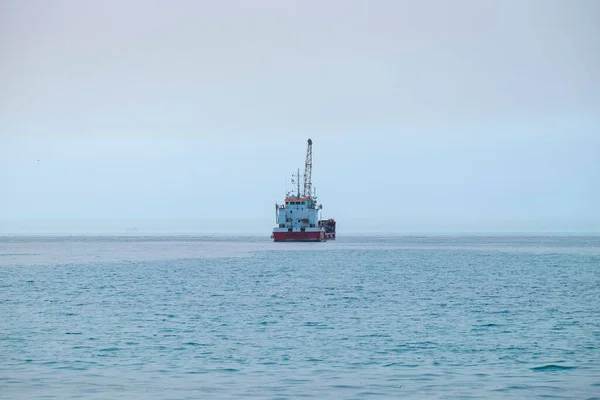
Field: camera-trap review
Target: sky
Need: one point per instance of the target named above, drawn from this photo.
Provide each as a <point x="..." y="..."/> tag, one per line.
<point x="191" y="116"/>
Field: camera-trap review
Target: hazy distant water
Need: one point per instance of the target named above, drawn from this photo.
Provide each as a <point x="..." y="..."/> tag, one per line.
<point x="234" y="317"/>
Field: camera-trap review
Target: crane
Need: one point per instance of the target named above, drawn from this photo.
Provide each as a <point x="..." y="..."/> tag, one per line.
<point x="308" y="171"/>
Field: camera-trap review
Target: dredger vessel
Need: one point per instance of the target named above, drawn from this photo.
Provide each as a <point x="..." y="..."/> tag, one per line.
<point x="299" y="219"/>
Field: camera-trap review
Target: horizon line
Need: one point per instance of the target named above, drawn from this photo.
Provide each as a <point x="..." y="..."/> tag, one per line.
<point x="259" y="234"/>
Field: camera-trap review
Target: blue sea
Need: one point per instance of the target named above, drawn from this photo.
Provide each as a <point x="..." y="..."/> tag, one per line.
<point x="218" y="317"/>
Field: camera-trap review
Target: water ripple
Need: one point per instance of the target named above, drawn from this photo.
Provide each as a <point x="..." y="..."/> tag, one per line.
<point x="387" y="317"/>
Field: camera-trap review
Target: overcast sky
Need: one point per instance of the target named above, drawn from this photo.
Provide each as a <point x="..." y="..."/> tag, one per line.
<point x="426" y="116"/>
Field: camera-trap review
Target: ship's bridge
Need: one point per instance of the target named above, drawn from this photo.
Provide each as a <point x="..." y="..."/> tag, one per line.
<point x="298" y="213"/>
<point x="299" y="202"/>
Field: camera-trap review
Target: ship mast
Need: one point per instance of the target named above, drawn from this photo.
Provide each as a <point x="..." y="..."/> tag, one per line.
<point x="308" y="171"/>
<point x="298" y="181"/>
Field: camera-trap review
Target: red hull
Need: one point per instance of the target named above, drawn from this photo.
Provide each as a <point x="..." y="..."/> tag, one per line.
<point x="298" y="236"/>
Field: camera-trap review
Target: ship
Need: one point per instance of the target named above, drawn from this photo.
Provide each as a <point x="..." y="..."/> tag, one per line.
<point x="298" y="219"/>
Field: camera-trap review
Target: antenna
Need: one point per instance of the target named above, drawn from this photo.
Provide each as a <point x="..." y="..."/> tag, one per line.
<point x="298" y="192"/>
<point x="293" y="184"/>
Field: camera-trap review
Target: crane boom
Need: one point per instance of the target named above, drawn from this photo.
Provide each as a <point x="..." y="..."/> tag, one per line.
<point x="308" y="171"/>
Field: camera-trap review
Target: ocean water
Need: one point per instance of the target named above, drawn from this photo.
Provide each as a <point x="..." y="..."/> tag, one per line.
<point x="241" y="317"/>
